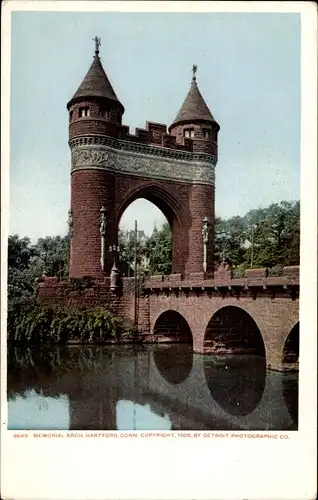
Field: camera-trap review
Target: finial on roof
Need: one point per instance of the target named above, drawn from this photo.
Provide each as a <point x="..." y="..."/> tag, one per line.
<point x="97" y="44"/>
<point x="194" y="70"/>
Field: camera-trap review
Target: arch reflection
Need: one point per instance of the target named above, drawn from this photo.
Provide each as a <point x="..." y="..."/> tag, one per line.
<point x="236" y="382"/>
<point x="290" y="395"/>
<point x="174" y="362"/>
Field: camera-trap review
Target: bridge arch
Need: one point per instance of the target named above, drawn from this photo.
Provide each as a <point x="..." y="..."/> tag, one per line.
<point x="171" y="326"/>
<point x="231" y="329"/>
<point x="290" y="354"/>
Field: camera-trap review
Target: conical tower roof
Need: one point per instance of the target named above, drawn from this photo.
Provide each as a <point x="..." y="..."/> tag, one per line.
<point x="194" y="107"/>
<point x="96" y="84"/>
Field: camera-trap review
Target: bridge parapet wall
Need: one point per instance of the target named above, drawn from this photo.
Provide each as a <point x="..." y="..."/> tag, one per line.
<point x="252" y="278"/>
<point x="87" y="294"/>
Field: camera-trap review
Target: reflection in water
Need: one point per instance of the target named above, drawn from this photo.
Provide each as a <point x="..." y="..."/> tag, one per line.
<point x="149" y="387"/>
<point x="236" y="382"/>
<point x="174" y="362"/>
<point x="290" y="394"/>
<point x="132" y="416"/>
<point x="34" y="411"/>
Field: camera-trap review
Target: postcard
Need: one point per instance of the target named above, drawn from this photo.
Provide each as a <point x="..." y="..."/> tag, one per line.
<point x="158" y="250"/>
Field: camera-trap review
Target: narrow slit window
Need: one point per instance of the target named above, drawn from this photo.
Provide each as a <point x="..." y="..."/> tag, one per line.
<point x="189" y="133"/>
<point x="206" y="134"/>
<point x="84" y="112"/>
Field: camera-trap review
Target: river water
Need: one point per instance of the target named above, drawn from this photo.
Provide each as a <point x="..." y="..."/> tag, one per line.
<point x="154" y="387"/>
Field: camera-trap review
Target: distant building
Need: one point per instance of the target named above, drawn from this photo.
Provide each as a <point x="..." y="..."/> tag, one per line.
<point x="130" y="235"/>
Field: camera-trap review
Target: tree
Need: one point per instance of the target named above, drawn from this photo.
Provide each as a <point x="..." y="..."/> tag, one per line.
<point x="272" y="233"/>
<point x="21" y="283"/>
<point x="158" y="250"/>
<point x="20" y="252"/>
<point x="229" y="240"/>
<point x="27" y="262"/>
<point x="127" y="249"/>
<point x="51" y="256"/>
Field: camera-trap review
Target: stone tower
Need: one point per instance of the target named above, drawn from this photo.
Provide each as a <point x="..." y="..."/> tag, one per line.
<point x="111" y="168"/>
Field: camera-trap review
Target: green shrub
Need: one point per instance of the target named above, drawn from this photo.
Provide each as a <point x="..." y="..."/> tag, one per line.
<point x="61" y="325"/>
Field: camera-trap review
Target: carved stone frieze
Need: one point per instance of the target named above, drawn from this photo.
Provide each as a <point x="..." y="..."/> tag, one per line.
<point x="144" y="161"/>
<point x="119" y="144"/>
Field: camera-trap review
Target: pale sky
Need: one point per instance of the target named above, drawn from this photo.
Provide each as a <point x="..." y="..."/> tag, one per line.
<point x="248" y="73"/>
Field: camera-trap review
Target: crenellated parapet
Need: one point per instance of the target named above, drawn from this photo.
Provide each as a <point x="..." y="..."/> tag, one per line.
<point x="252" y="280"/>
<point x="157" y="134"/>
<point x="154" y="134"/>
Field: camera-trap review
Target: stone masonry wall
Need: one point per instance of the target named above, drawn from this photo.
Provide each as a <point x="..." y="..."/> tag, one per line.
<point x="184" y="205"/>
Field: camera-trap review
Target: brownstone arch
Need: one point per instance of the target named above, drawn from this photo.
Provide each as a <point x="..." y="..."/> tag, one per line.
<point x="173" y="167"/>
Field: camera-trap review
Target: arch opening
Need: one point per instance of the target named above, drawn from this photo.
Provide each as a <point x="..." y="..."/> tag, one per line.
<point x="291" y="348"/>
<point x="171" y="326"/>
<point x="157" y="196"/>
<point x="231" y="330"/>
<point x="153" y="248"/>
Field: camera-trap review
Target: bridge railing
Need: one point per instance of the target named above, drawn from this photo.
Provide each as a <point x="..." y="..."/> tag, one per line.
<point x="285" y="277"/>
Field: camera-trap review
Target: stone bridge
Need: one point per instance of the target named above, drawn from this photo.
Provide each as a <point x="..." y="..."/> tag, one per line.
<point x="269" y="304"/>
<point x="255" y="313"/>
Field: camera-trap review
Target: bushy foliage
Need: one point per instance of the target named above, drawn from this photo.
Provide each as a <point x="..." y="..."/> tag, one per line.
<point x="26" y="262"/>
<point x="41" y="325"/>
<point x="272" y="234"/>
<point x="31" y="323"/>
